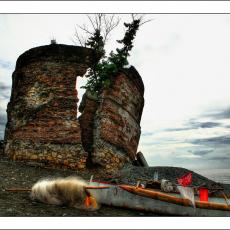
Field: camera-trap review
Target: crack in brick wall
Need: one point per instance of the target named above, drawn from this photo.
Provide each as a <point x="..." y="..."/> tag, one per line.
<point x="42" y="121"/>
<point x="88" y="108"/>
<point x="113" y="123"/>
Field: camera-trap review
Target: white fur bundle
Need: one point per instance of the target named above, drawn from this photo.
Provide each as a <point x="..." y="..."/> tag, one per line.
<point x="68" y="191"/>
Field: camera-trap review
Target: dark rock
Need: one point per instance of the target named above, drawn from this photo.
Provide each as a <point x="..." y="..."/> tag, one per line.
<point x="1" y="146"/>
<point x="141" y="160"/>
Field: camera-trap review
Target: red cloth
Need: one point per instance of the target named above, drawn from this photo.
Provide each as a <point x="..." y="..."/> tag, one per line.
<point x="185" y="180"/>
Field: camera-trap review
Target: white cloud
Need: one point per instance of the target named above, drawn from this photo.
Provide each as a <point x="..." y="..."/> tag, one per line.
<point x="187" y="155"/>
<point x="183" y="60"/>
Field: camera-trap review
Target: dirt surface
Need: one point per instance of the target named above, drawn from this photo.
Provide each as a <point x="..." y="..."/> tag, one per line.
<point x="24" y="175"/>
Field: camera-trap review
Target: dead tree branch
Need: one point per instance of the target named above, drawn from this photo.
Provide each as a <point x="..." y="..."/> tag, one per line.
<point x="99" y="22"/>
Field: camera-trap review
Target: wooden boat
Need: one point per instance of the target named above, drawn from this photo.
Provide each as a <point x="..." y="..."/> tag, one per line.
<point x="158" y="202"/>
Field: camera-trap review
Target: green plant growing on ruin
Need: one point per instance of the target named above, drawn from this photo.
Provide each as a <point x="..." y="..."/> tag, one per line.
<point x="104" y="69"/>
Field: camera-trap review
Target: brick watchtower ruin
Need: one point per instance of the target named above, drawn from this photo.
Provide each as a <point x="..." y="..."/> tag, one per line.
<point x="42" y="113"/>
<point x="111" y="125"/>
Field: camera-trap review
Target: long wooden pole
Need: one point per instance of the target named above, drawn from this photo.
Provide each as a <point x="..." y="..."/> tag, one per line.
<point x="18" y="189"/>
<point x="29" y="189"/>
<point x="96" y="187"/>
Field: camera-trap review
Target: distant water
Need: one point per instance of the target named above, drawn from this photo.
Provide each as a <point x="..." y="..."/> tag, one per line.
<point x="218" y="175"/>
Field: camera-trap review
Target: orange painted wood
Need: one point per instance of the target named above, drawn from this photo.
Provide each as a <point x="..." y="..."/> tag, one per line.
<point x="96" y="187"/>
<point x="173" y="199"/>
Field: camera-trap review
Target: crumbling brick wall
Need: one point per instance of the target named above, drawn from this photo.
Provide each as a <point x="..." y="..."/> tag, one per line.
<point x="117" y="121"/>
<point x="42" y="121"/>
<point x="42" y="112"/>
<point x="114" y="123"/>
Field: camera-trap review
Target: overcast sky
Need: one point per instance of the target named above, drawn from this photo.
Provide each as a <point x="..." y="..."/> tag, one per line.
<point x="184" y="63"/>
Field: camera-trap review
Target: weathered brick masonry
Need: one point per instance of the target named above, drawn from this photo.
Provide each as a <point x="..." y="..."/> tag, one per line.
<point x="42" y="121"/>
<point x="117" y="121"/>
<point x="42" y="112"/>
<point x="112" y="125"/>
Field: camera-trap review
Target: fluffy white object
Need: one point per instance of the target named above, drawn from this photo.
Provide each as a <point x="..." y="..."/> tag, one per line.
<point x="68" y="191"/>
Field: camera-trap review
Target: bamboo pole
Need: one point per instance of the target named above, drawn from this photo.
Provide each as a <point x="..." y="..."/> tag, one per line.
<point x="96" y="187"/>
<point x="18" y="189"/>
<point x="29" y="189"/>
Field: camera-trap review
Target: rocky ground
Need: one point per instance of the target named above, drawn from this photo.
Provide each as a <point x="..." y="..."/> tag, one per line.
<point x="24" y="175"/>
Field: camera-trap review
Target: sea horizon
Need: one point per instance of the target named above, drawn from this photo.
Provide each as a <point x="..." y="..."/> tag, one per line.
<point x="218" y="175"/>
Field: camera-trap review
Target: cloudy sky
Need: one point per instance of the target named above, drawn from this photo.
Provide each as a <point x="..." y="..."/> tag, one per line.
<point x="184" y="63"/>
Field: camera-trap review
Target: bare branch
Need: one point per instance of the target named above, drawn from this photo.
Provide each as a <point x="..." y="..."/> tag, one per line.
<point x="109" y="25"/>
<point x="82" y="40"/>
<point x="74" y="42"/>
<point x="140" y="17"/>
<point x="100" y="22"/>
<point x="146" y="22"/>
<point x="91" y="21"/>
<point x="84" y="28"/>
<point x="78" y="37"/>
<point x="134" y="16"/>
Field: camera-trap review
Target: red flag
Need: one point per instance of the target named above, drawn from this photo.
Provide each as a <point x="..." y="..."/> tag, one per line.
<point x="185" y="180"/>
